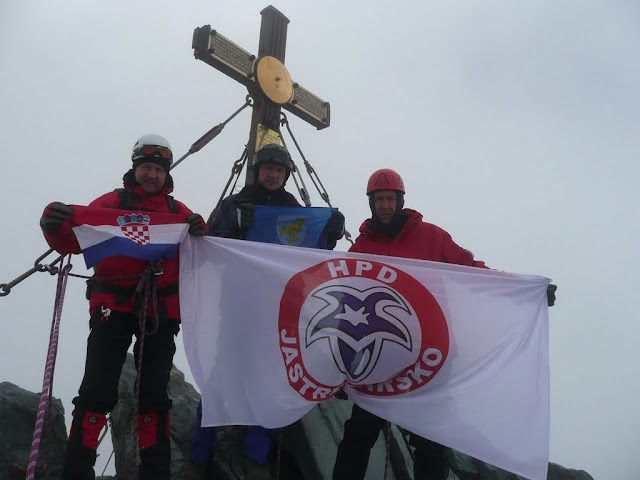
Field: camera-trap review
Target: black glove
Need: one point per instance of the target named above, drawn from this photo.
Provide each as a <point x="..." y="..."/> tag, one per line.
<point x="197" y="226"/>
<point x="54" y="216"/>
<point x="245" y="217"/>
<point x="334" y="228"/>
<point x="551" y="294"/>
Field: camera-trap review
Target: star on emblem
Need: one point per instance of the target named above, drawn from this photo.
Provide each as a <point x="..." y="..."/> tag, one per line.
<point x="354" y="317"/>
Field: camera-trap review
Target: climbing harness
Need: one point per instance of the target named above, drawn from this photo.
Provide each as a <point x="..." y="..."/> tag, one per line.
<point x="47" y="383"/>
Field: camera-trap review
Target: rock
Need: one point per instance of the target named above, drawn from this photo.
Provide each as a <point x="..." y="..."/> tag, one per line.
<point x="308" y="447"/>
<point x="468" y="468"/>
<point x="18" y="410"/>
<point x="558" y="472"/>
<point x="305" y="450"/>
<point x="311" y="444"/>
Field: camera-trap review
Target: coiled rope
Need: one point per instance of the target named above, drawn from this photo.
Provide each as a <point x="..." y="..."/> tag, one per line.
<point x="148" y="283"/>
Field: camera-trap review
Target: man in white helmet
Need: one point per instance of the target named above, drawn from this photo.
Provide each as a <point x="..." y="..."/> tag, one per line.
<point x="115" y="319"/>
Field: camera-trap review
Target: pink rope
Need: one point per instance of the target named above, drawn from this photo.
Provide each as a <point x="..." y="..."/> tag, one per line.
<point x="45" y="396"/>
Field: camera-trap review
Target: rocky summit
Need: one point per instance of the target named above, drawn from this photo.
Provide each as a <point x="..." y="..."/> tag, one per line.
<point x="304" y="450"/>
<point x="18" y="409"/>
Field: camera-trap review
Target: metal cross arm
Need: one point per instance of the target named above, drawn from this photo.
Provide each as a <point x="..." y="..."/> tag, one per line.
<point x="264" y="75"/>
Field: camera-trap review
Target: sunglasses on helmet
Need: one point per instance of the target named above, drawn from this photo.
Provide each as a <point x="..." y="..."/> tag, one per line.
<point x="152" y="150"/>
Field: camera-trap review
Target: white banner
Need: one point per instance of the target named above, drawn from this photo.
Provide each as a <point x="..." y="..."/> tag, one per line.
<point x="456" y="354"/>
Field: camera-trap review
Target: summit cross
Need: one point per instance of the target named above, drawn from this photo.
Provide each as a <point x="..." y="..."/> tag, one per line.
<point x="266" y="78"/>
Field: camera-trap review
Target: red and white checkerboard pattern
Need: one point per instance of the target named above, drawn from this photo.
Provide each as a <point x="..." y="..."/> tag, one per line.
<point x="137" y="233"/>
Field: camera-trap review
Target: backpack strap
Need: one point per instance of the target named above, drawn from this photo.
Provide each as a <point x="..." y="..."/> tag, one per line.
<point x="173" y="206"/>
<point x="126" y="198"/>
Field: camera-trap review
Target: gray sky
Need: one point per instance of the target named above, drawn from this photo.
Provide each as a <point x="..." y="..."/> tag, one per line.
<point x="514" y="125"/>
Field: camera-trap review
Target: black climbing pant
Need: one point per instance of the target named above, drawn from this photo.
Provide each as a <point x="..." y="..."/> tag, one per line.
<point x="361" y="432"/>
<point x="107" y="346"/>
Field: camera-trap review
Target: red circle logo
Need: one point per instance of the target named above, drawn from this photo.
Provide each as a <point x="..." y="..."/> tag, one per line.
<point x="360" y="322"/>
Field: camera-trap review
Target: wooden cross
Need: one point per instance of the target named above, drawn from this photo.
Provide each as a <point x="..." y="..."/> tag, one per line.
<point x="265" y="77"/>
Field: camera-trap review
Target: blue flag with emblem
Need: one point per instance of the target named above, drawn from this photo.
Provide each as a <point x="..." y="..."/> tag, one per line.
<point x="295" y="226"/>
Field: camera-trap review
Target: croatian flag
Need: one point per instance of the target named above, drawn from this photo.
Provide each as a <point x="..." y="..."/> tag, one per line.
<point x="295" y="226"/>
<point x="455" y="354"/>
<point x="107" y="232"/>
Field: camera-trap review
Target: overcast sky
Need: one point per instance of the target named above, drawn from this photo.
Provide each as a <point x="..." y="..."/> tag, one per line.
<point x="514" y="124"/>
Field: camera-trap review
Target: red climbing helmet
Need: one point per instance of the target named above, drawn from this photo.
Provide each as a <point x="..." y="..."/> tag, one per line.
<point x="385" y="179"/>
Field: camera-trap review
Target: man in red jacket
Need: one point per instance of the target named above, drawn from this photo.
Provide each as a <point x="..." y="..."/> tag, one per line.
<point x="115" y="318"/>
<point x="396" y="232"/>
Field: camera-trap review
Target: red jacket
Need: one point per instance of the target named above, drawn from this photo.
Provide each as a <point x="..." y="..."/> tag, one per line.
<point x="65" y="242"/>
<point x="417" y="239"/>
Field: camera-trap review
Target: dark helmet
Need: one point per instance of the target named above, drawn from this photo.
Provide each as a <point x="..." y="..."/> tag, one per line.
<point x="385" y="179"/>
<point x="152" y="148"/>
<point x="272" y="153"/>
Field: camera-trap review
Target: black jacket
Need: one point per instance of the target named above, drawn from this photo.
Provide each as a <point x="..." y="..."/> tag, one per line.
<point x="225" y="222"/>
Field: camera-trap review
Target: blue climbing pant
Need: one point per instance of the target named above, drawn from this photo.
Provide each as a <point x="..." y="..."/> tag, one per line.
<point x="257" y="441"/>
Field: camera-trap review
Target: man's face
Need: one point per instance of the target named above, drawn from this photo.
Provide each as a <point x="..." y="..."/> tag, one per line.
<point x="385" y="203"/>
<point x="271" y="176"/>
<point x="151" y="177"/>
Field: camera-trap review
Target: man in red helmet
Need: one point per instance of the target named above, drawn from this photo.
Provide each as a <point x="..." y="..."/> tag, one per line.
<point x="398" y="232"/>
<point x="115" y="319"/>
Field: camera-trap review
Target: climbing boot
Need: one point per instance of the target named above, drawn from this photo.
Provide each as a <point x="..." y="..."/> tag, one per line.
<point x="155" y="446"/>
<point x="80" y="456"/>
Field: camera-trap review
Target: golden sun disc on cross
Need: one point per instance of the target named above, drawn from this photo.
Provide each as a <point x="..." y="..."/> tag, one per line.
<point x="274" y="80"/>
